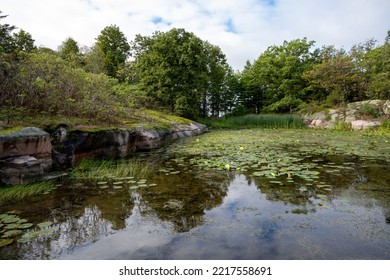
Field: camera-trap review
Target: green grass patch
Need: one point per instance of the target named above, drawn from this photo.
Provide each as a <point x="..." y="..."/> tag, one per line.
<point x="19" y="192"/>
<point x="99" y="169"/>
<point x="256" y="121"/>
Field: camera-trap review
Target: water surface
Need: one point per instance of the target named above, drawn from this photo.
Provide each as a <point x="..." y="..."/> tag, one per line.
<point x="338" y="208"/>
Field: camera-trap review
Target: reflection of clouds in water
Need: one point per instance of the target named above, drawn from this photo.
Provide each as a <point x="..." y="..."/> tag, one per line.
<point x="234" y="230"/>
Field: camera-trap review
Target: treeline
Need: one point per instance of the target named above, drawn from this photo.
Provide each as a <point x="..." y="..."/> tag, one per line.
<point x="176" y="71"/>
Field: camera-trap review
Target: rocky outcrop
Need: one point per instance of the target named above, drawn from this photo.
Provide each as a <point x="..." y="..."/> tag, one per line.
<point x="27" y="154"/>
<point x="357" y="115"/>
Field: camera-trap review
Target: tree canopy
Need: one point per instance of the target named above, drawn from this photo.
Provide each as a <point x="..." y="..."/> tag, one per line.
<point x="179" y="72"/>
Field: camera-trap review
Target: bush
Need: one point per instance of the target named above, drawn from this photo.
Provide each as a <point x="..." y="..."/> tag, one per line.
<point x="370" y="110"/>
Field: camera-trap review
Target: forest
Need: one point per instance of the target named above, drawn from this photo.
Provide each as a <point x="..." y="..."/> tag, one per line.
<point x="179" y="73"/>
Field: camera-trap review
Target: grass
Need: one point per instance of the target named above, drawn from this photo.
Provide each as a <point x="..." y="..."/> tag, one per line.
<point x="94" y="169"/>
<point x="139" y="118"/>
<point x="19" y="192"/>
<point x="256" y="121"/>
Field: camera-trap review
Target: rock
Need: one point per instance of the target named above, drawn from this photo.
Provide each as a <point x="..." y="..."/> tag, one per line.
<point x="25" y="155"/>
<point x="362" y="124"/>
<point x="23" y="169"/>
<point x="352" y="114"/>
<point x="25" y="141"/>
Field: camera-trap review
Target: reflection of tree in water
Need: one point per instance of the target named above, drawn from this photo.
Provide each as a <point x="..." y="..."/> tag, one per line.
<point x="80" y="214"/>
<point x="341" y="174"/>
<point x="183" y="198"/>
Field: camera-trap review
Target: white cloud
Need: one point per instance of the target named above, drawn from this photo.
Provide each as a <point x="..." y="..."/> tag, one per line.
<point x="255" y="24"/>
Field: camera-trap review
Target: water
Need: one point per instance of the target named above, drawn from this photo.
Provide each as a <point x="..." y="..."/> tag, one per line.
<point x="343" y="213"/>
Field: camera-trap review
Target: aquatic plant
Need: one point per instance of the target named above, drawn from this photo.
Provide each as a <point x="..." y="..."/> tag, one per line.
<point x="256" y="121"/>
<point x="19" y="192"/>
<point x="99" y="169"/>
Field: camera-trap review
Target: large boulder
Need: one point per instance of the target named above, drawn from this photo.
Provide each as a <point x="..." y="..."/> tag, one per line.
<point x="357" y="115"/>
<point x="25" y="155"/>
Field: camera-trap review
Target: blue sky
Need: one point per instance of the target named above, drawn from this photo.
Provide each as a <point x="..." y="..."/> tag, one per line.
<point x="243" y="29"/>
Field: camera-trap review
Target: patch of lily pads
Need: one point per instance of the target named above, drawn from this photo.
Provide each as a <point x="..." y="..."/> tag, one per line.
<point x="12" y="228"/>
<point x="306" y="160"/>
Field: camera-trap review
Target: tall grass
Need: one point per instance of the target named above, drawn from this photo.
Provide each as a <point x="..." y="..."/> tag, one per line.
<point x="93" y="169"/>
<point x="20" y="192"/>
<point x="256" y="121"/>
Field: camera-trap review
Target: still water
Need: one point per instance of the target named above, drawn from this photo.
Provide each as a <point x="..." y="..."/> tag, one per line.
<point x="182" y="211"/>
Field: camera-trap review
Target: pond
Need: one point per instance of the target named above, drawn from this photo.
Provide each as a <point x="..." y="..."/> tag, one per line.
<point x="227" y="194"/>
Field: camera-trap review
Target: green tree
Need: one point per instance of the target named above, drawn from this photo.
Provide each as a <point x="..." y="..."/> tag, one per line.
<point x="172" y="67"/>
<point x="70" y="51"/>
<point x="340" y="77"/>
<point x="113" y="44"/>
<point x="378" y="71"/>
<point x="23" y="41"/>
<point x="275" y="81"/>
<point x="7" y="43"/>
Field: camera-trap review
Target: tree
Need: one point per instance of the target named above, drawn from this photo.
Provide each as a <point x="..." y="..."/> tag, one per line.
<point x="7" y="43"/>
<point x="23" y="41"/>
<point x="274" y="81"/>
<point x="172" y="67"/>
<point x="113" y="44"/>
<point x="378" y="71"/>
<point x="70" y="51"/>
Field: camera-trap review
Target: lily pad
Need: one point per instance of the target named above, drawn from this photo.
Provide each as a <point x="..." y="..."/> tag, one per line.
<point x="102" y="183"/>
<point x="10" y="220"/>
<point x="45" y="224"/>
<point x="11" y="226"/>
<point x="12" y="233"/>
<point x="118" y="187"/>
<point x="103" y="186"/>
<point x="25" y="226"/>
<point x="44" y="232"/>
<point x="5" y="242"/>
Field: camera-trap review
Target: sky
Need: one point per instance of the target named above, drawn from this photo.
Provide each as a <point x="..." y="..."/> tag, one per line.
<point x="243" y="29"/>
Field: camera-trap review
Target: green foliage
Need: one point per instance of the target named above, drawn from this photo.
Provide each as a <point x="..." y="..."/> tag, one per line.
<point x="19" y="192"/>
<point x="100" y="169"/>
<point x="255" y="121"/>
<point x="182" y="73"/>
<point x="7" y="43"/>
<point x="370" y="110"/>
<point x="70" y="51"/>
<point x="275" y="79"/>
<point x="43" y="82"/>
<point x="115" y="49"/>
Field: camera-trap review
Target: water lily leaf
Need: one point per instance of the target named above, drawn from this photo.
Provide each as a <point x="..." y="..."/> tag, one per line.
<point x="5" y="242"/>
<point x="26" y="225"/>
<point x="142" y="185"/>
<point x="12" y="233"/>
<point x="10" y="220"/>
<point x="118" y="183"/>
<point x="29" y="235"/>
<point x="303" y="189"/>
<point x="118" y="187"/>
<point x="133" y="187"/>
<point x="45" y="224"/>
<point x="11" y="226"/>
<point x="44" y="232"/>
<point x="21" y="221"/>
<point x="152" y="185"/>
<point x="102" y="183"/>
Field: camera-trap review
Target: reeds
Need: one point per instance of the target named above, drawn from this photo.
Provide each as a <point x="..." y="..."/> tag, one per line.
<point x="20" y="192"/>
<point x="94" y="169"/>
<point x="256" y="121"/>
